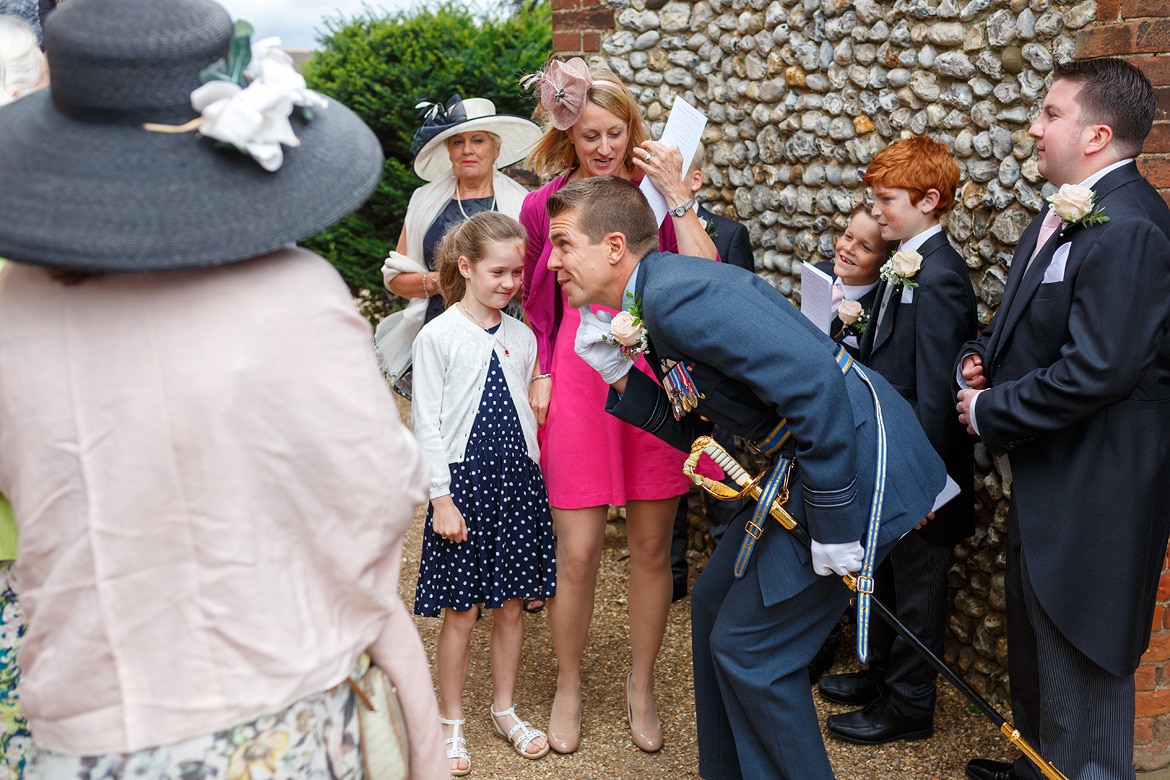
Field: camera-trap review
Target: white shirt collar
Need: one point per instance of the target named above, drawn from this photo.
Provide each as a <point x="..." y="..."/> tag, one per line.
<point x="920" y="239"/>
<point x="1096" y="177"/>
<point x="854" y="292"/>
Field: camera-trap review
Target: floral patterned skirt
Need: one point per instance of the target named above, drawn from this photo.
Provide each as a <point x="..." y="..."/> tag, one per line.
<point x="316" y="738"/>
<point x="14" y="737"/>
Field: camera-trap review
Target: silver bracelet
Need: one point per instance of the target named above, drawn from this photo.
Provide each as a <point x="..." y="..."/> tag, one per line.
<point x="426" y="292"/>
<point x="542" y="376"/>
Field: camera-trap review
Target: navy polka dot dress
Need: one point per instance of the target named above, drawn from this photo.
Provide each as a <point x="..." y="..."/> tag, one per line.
<point x="500" y="493"/>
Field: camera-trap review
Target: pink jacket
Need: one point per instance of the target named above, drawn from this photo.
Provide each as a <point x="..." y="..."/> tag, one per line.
<point x="212" y="483"/>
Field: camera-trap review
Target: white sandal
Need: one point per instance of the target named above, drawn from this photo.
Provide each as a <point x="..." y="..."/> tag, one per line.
<point x="527" y="732"/>
<point x="458" y="743"/>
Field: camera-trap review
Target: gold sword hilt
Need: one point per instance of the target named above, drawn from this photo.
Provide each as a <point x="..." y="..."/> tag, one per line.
<point x="749" y="486"/>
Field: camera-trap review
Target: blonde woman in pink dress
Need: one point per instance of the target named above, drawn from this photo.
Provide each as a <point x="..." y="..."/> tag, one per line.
<point x="590" y="459"/>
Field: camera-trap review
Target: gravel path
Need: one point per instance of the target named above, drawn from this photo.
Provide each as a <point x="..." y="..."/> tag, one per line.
<point x="606" y="750"/>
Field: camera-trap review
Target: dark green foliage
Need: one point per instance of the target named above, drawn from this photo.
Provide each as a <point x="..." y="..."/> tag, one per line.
<point x="381" y="66"/>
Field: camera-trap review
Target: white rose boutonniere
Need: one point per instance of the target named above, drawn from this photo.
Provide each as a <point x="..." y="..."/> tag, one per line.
<point x="902" y="267"/>
<point x="1075" y="205"/>
<point x="853" y="316"/>
<point x="628" y="332"/>
<point x="854" y="319"/>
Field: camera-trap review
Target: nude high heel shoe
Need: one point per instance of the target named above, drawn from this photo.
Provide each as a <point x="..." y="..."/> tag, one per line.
<point x="648" y="739"/>
<point x="564" y="735"/>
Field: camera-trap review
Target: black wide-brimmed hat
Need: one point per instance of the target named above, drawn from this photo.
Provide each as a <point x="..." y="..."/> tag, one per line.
<point x="84" y="186"/>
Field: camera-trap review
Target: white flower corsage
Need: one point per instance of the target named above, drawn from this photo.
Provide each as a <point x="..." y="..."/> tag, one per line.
<point x="246" y="101"/>
<point x="1076" y="205"/>
<point x="902" y="267"/>
<point x="853" y="317"/>
<point x="627" y="331"/>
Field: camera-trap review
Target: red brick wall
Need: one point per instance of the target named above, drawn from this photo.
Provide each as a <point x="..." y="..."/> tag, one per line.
<point x="578" y="25"/>
<point x="1139" y="31"/>
<point x="1151" y="729"/>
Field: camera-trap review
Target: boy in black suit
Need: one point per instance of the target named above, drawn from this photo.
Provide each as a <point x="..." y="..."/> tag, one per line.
<point x="924" y="312"/>
<point x="858" y="257"/>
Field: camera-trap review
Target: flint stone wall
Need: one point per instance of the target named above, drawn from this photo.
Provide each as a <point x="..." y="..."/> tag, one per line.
<point x="800" y="95"/>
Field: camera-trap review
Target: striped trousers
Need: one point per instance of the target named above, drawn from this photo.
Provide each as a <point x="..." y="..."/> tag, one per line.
<point x="1077" y="715"/>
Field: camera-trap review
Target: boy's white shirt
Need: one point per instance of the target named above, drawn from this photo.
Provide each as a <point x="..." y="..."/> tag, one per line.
<point x="914" y="243"/>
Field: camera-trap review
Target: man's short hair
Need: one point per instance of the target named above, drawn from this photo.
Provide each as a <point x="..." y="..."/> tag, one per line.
<point x="609" y="204"/>
<point x="1115" y="93"/>
<point x="916" y="164"/>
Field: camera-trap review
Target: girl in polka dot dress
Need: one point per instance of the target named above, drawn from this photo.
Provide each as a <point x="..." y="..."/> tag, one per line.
<point x="488" y="536"/>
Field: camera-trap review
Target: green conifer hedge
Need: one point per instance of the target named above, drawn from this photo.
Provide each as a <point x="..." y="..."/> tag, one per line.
<point x="381" y="66"/>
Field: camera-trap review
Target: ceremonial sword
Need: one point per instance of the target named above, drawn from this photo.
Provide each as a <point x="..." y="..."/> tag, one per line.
<point x="751" y="488"/>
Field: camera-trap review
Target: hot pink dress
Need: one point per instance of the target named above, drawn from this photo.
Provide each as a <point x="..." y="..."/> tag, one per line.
<point x="589" y="458"/>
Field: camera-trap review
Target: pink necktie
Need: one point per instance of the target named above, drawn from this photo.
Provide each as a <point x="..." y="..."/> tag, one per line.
<point x="1047" y="228"/>
<point x="838" y="294"/>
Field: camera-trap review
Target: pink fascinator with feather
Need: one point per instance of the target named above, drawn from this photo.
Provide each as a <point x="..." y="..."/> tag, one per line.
<point x="564" y="87"/>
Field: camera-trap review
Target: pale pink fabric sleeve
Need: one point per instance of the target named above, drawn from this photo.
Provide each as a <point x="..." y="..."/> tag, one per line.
<point x="399" y="652"/>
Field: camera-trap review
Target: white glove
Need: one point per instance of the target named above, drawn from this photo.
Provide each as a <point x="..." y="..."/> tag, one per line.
<point x="590" y="344"/>
<point x="840" y="559"/>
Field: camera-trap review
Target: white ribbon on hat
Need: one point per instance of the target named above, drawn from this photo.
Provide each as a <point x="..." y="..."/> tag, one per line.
<point x="255" y="118"/>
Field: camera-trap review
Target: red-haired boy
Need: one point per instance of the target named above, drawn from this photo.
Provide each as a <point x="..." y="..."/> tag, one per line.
<point x="925" y="311"/>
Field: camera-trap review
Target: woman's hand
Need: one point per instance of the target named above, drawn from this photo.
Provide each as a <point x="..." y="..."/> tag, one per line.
<point x="409" y="285"/>
<point x="663" y="165"/>
<point x="539" y="394"/>
<point x="447" y="521"/>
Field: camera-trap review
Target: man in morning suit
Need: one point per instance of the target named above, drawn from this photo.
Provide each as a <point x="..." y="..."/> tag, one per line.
<point x="752" y="359"/>
<point x="915" y="330"/>
<point x="734" y="245"/>
<point x="1071" y="381"/>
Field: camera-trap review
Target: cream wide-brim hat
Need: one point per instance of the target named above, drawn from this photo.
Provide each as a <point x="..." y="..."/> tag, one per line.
<point x="517" y="137"/>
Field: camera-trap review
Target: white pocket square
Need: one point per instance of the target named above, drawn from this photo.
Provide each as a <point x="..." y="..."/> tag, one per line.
<point x="907" y="295"/>
<point x="1055" y="270"/>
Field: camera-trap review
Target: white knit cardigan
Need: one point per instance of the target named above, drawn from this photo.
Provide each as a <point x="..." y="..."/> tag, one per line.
<point x="451" y="359"/>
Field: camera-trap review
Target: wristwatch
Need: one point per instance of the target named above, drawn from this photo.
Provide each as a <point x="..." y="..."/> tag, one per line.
<point x="682" y="208"/>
